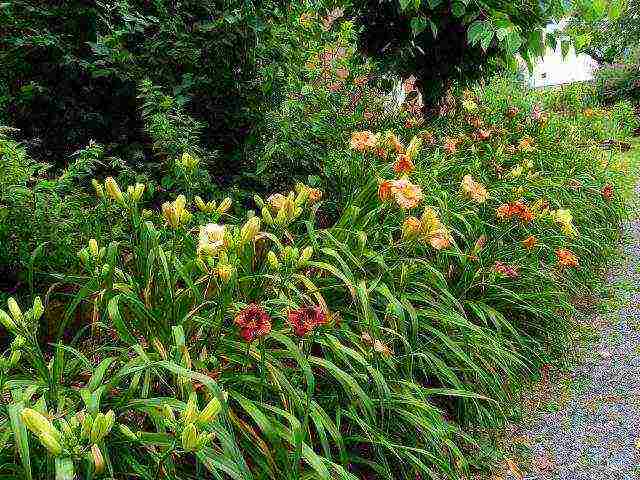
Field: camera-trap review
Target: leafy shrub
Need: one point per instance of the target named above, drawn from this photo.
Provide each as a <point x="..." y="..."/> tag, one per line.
<point x="620" y="82"/>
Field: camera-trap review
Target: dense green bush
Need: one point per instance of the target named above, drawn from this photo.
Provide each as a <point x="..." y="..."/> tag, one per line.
<point x="620" y="81"/>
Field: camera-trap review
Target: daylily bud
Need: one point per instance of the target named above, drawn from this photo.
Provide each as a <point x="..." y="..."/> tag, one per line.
<point x="224" y="206"/>
<point x="211" y="410"/>
<point x="169" y="214"/>
<point x="272" y="259"/>
<point x="189" y="438"/>
<point x="113" y="191"/>
<point x="250" y="229"/>
<point x="259" y="201"/>
<point x="39" y="424"/>
<point x="190" y="413"/>
<point x="200" y="203"/>
<point x="50" y="443"/>
<point x="96" y="428"/>
<point x="14" y="358"/>
<point x="14" y="309"/>
<point x="93" y="247"/>
<point x="127" y="432"/>
<point x="188" y="161"/>
<point x="224" y="271"/>
<point x="266" y="216"/>
<point x="85" y="431"/>
<point x="83" y="255"/>
<point x="107" y="423"/>
<point x="167" y="412"/>
<point x="98" y="188"/>
<point x="305" y="256"/>
<point x="7" y="321"/>
<point x="136" y="192"/>
<point x="203" y="440"/>
<point x="38" y="308"/>
<point x="98" y="459"/>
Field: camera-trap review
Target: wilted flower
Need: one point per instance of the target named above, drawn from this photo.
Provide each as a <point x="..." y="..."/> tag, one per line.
<point x="482" y="135"/>
<point x="530" y="242"/>
<point x="305" y="319"/>
<point x="517" y="208"/>
<point x="253" y="322"/>
<point x="411" y="228"/>
<point x="565" y="219"/>
<point x="474" y="190"/>
<point x="566" y="258"/>
<point x="384" y="190"/>
<point x="451" y="145"/>
<point x="512" y="111"/>
<point x="506" y="270"/>
<point x="363" y="141"/>
<point x="403" y="165"/>
<point x="607" y="191"/>
<point x="315" y="195"/>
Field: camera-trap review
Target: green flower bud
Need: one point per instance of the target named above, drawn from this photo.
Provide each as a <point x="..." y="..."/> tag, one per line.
<point x="272" y="259"/>
<point x="306" y="255"/>
<point x="96" y="428"/>
<point x="38" y="309"/>
<point x="7" y="321"/>
<point x="189" y="438"/>
<point x="87" y="423"/>
<point x="50" y="443"/>
<point x="190" y="413"/>
<point x="98" y="459"/>
<point x="210" y="411"/>
<point x="14" y="309"/>
<point x="127" y="432"/>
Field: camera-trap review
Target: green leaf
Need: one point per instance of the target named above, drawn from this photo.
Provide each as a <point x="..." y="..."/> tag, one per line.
<point x="565" y="45"/>
<point x="513" y="42"/>
<point x="485" y="39"/>
<point x="418" y="25"/>
<point x="64" y="469"/>
<point x="458" y="8"/>
<point x="616" y="7"/>
<point x="20" y="437"/>
<point x="476" y="31"/>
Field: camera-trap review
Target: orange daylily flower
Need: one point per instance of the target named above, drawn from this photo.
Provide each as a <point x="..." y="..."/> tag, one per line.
<point x="403" y="165"/>
<point x="530" y="242"/>
<point x="384" y="190"/>
<point x="607" y="191"/>
<point x="566" y="258"/>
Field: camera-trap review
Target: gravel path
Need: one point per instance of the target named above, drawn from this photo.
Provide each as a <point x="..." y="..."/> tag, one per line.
<point x="594" y="431"/>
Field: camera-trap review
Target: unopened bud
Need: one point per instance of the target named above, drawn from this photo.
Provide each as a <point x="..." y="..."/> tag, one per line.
<point x="272" y="259"/>
<point x="98" y="188"/>
<point x="113" y="191"/>
<point x="93" y="247"/>
<point x="305" y="256"/>
<point x="224" y="206"/>
<point x="98" y="459"/>
<point x="250" y="229"/>
<point x="127" y="432"/>
<point x="38" y="308"/>
<point x="14" y="309"/>
<point x="189" y="438"/>
<point x="190" y="413"/>
<point x="224" y="271"/>
<point x="266" y="216"/>
<point x="210" y="411"/>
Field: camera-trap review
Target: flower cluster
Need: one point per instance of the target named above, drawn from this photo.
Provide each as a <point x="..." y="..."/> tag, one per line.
<point x="515" y="209"/>
<point x="305" y="319"/>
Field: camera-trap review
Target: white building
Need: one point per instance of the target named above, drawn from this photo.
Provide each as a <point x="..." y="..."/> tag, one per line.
<point x="554" y="69"/>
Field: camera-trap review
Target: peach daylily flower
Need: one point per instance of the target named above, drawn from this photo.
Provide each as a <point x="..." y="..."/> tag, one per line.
<point x="363" y="141"/>
<point x="474" y="190"/>
<point x="406" y="194"/>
